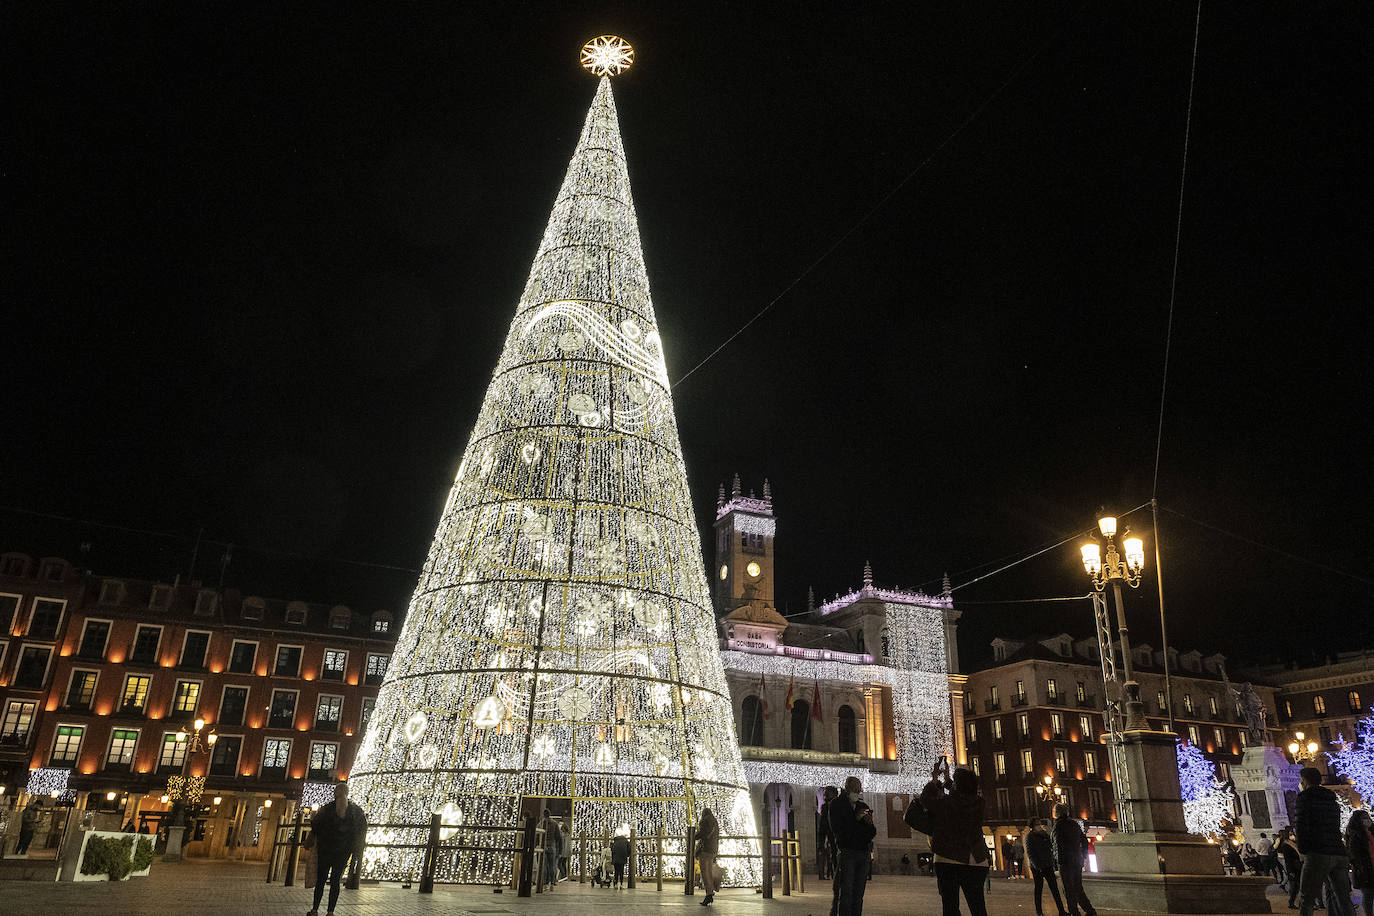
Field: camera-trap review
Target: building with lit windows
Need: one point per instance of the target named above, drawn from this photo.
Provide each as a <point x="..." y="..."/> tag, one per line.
<point x="858" y="686"/>
<point x="104" y="679"/>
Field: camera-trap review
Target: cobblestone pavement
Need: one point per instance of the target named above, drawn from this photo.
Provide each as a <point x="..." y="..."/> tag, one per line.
<point x="231" y="889"/>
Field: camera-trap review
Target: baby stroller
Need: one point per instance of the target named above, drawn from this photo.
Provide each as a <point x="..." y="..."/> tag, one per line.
<point x="601" y="877"/>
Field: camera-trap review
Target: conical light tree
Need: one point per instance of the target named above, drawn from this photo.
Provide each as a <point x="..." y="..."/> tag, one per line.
<point x="560" y="643"/>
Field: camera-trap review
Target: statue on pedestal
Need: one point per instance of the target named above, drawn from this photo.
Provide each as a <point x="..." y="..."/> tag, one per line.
<point x="1252" y="709"/>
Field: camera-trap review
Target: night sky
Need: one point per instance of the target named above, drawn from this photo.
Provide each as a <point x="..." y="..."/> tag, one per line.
<point x="261" y="258"/>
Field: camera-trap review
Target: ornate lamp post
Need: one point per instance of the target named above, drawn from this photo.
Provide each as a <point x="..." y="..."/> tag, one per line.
<point x="1301" y="752"/>
<point x="186" y="789"/>
<point x="1114" y="570"/>
<point x="1048" y="791"/>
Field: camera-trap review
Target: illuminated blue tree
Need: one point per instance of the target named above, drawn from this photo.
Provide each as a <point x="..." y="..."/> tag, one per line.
<point x="1207" y="804"/>
<point x="1355" y="759"/>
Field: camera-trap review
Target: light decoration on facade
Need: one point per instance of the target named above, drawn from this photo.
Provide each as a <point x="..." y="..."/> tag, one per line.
<point x="316" y="795"/>
<point x="1355" y="759"/>
<point x="900" y="596"/>
<point x="1207" y="804"/>
<point x="753" y="524"/>
<point x="564" y="583"/>
<point x="185" y="789"/>
<point x="47" y="780"/>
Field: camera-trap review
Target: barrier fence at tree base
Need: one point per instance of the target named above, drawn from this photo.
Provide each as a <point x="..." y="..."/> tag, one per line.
<point x="520" y="863"/>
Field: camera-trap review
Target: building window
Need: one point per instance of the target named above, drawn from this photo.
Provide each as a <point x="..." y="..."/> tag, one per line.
<point x="1324" y="735"/>
<point x="1027" y="762"/>
<point x="288" y="661"/>
<point x="9" y="604"/>
<point x="801" y="725"/>
<point x="1193" y="738"/>
<point x="18" y="721"/>
<point x="1090" y="762"/>
<point x="1212" y="706"/>
<point x="134" y="698"/>
<point x="173" y="753"/>
<point x="120" y="757"/>
<point x="252" y="608"/>
<point x="376" y="668"/>
<point x="224" y="758"/>
<point x="1020" y="692"/>
<point x="144" y="651"/>
<point x="1188" y="703"/>
<point x="1219" y="737"/>
<point x="849" y="736"/>
<point x="66" y="745"/>
<point x="111" y="592"/>
<point x="1085" y="727"/>
<point x="328" y="712"/>
<point x="161" y="598"/>
<point x="1240" y="736"/>
<point x="1056" y="725"/>
<point x="1319" y="705"/>
<point x="1023" y="724"/>
<point x="997" y="729"/>
<point x="32" y="670"/>
<point x="999" y="763"/>
<point x="194" y="649"/>
<point x="973" y="764"/>
<point x="1052" y="690"/>
<point x="231" y="706"/>
<point x="276" y="754"/>
<point x="340" y="618"/>
<point x="370" y="702"/>
<point x="283" y="709"/>
<point x="335" y="661"/>
<point x="1287" y="709"/>
<point x="206" y="602"/>
<point x="46" y="617"/>
<point x="81" y="691"/>
<point x="751" y="716"/>
<point x="1353" y="697"/>
<point x="381" y="625"/>
<point x="241" y="657"/>
<point x="1061" y="760"/>
<point x="93" y="638"/>
<point x="186" y="699"/>
<point x="1159" y="700"/>
<point x="992" y="697"/>
<point x="323" y="760"/>
<point x="1095" y="803"/>
<point x="1065" y="648"/>
<point x="973" y="733"/>
<point x="1003" y="803"/>
<point x="1080" y="693"/>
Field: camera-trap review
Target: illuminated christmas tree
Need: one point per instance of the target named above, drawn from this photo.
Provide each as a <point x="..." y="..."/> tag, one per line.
<point x="1355" y="759"/>
<point x="1207" y="804"/>
<point x="560" y="643"/>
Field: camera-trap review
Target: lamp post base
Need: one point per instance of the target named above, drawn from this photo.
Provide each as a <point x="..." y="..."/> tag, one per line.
<point x="1177" y="893"/>
<point x="174" y="838"/>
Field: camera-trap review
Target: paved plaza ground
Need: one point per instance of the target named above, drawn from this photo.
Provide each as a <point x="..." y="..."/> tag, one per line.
<point x="231" y="889"/>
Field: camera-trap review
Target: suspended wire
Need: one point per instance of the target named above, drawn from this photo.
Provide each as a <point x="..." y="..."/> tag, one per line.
<point x="1178" y="239"/>
<point x="1083" y="597"/>
<point x="868" y="214"/>
<point x="1272" y="549"/>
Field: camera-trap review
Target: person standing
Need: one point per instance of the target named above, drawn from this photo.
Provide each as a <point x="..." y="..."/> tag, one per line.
<point x="337" y="832"/>
<point x="1265" y="849"/>
<point x="620" y="854"/>
<point x="1359" y="846"/>
<point x="708" y="846"/>
<point x="553" y="846"/>
<point x="962" y="863"/>
<point x="1292" y="865"/>
<point x="853" y="837"/>
<point x="1040" y="855"/>
<point x="825" y="840"/>
<point x="1324" y="857"/>
<point x="1070" y="850"/>
<point x="28" y="823"/>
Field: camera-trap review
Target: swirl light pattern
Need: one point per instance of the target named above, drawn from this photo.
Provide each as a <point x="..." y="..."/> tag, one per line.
<point x="560" y="643"/>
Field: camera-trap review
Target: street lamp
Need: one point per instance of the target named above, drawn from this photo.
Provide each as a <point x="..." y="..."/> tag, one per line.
<point x="186" y="792"/>
<point x="1113" y="569"/>
<point x="1048" y="791"/>
<point x="1296" y="748"/>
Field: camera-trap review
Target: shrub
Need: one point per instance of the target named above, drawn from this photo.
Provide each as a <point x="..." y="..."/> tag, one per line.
<point x="143" y="854"/>
<point x="108" y="856"/>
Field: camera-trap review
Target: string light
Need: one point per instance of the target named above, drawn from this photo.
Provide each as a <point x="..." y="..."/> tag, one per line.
<point x="560" y="642"/>
<point x="47" y="780"/>
<point x="1207" y="803"/>
<point x="1355" y="759"/>
<point x="317" y="794"/>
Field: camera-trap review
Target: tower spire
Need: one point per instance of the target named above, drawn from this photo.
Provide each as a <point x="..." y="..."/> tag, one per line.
<point x="564" y="589"/>
<point x="868" y="574"/>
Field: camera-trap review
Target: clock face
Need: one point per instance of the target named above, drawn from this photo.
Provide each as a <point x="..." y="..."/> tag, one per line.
<point x="724" y="573"/>
<point x="753" y="570"/>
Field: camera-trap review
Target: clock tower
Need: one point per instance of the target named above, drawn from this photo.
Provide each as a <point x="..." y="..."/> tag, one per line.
<point x="743" y="572"/>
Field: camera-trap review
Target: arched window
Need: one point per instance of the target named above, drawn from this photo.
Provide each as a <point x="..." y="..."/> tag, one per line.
<point x="801" y="725"/>
<point x="849" y="742"/>
<point x="1354" y="699"/>
<point x="751" y="722"/>
<point x="1319" y="705"/>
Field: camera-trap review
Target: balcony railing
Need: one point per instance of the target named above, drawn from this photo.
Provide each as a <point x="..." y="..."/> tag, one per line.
<point x="277" y="721"/>
<point x="272" y="774"/>
<point x="15" y="739"/>
<point x="992" y="705"/>
<point x="1087" y="701"/>
<point x="326" y="725"/>
<point x="1020" y="699"/>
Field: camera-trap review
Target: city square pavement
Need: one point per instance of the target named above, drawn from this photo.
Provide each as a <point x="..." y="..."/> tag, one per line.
<point x="231" y="889"/>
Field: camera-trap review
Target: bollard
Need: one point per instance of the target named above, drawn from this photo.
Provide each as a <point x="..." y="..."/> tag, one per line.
<point x="272" y="857"/>
<point x="801" y="879"/>
<point x="634" y="855"/>
<point x="689" y="884"/>
<point x="582" y="862"/>
<point x="431" y="856"/>
<point x="294" y="848"/>
<point x="526" y="857"/>
<point x="767" y="844"/>
<point x="658" y="858"/>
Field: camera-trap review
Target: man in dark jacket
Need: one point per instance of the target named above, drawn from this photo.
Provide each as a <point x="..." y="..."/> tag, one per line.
<point x="1040" y="855"/>
<point x="1322" y="847"/>
<point x="620" y="854"/>
<point x="338" y="830"/>
<point x="853" y="831"/>
<point x="1070" y="849"/>
<point x="961" y="856"/>
<point x="825" y="841"/>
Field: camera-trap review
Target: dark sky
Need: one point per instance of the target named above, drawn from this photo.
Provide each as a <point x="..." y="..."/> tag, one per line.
<point x="260" y="260"/>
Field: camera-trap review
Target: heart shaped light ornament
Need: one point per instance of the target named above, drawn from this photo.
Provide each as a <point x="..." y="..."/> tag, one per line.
<point x="416" y="725"/>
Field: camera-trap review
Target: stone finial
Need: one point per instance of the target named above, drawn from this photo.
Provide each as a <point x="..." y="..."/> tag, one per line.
<point x="734" y="487"/>
<point x="720" y="497"/>
<point x="946" y="590"/>
<point x="868" y="575"/>
<point x="767" y="490"/>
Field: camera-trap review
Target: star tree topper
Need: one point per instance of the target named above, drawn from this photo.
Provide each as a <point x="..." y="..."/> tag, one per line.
<point x="607" y="55"/>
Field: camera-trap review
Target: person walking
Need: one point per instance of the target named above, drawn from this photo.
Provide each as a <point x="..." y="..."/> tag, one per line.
<point x="962" y="863"/>
<point x="1359" y="846"/>
<point x="1040" y="855"/>
<point x="854" y="831"/>
<point x="1324" y="857"/>
<point x="337" y="832"/>
<point x="1292" y="865"/>
<point x="708" y="846"/>
<point x="620" y="854"/>
<point x="1070" y="849"/>
<point x="28" y="823"/>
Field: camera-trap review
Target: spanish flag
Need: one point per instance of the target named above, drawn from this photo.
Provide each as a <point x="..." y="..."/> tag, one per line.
<point x="790" y="678"/>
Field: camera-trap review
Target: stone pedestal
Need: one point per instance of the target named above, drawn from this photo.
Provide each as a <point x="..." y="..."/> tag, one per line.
<point x="1268" y="786"/>
<point x="1161" y="868"/>
<point x="174" y="837"/>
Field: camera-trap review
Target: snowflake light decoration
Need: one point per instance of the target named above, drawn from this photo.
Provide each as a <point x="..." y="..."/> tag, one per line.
<point x="607" y="55"/>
